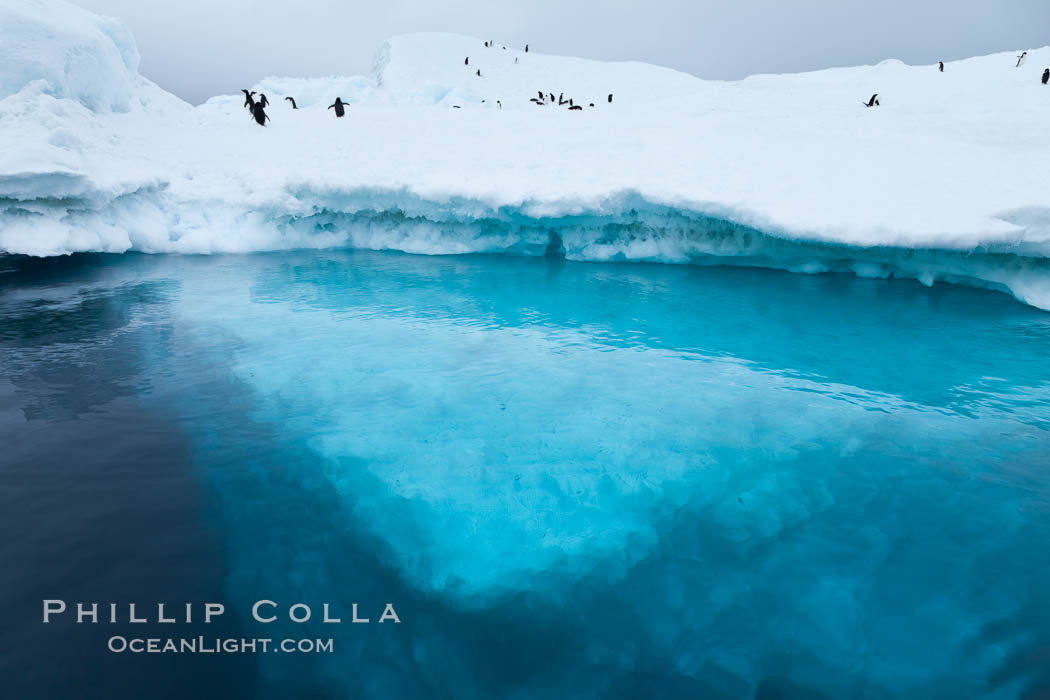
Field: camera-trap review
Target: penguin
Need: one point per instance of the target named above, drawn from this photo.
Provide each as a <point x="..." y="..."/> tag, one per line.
<point x="263" y="101"/>
<point x="591" y="104"/>
<point x="540" y="93"/>
<point x="292" y="100"/>
<point x="552" y="97"/>
<point x="940" y="66"/>
<point x="575" y="108"/>
<point x="486" y="44"/>
<point x="873" y="102"/>
<point x="466" y="61"/>
<point x="515" y="60"/>
<point x="339" y="107"/>
<point x="499" y="105"/>
<point x="561" y="98"/>
<point x="570" y="102"/>
<point x="610" y="98"/>
<point x="456" y="107"/>
<point x="258" y="114"/>
<point x="1046" y="76"/>
<point x="479" y="72"/>
<point x="1021" y="59"/>
<point x="526" y="48"/>
<point x="249" y="98"/>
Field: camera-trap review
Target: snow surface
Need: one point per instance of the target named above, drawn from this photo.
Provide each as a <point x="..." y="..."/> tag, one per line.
<point x="947" y="180"/>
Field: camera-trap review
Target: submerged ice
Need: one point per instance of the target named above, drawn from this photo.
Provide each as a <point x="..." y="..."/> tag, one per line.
<point x="944" y="181"/>
<point x="652" y="471"/>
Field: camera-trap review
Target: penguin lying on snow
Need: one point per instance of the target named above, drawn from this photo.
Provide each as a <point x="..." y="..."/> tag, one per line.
<point x="339" y="107"/>
<point x="1021" y="59"/>
<point x="873" y="102"/>
<point x="575" y="108"/>
<point x="292" y="100"/>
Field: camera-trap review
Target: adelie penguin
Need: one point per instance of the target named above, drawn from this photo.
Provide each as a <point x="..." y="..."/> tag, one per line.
<point x="1046" y="76"/>
<point x="249" y="98"/>
<point x="610" y="98"/>
<point x="339" y="106"/>
<point x="258" y="114"/>
<point x="940" y="66"/>
<point x="873" y="102"/>
<point x="263" y="101"/>
<point x="292" y="100"/>
<point x="466" y="61"/>
<point x="1021" y="59"/>
<point x="575" y="108"/>
<point x="479" y="72"/>
<point x="526" y="48"/>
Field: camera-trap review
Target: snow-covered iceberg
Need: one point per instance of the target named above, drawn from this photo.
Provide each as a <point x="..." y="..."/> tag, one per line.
<point x="946" y="180"/>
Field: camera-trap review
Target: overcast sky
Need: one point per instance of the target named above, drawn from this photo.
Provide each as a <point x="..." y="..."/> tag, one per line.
<point x="200" y="48"/>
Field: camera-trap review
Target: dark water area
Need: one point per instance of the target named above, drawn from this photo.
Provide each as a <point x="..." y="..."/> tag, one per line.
<point x="572" y="480"/>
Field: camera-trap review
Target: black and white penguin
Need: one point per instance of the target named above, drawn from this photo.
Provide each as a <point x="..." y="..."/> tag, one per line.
<point x="575" y="108"/>
<point x="339" y="106"/>
<point x="940" y="66"/>
<point x="570" y="102"/>
<point x="258" y="114"/>
<point x="540" y="93"/>
<point x="263" y="101"/>
<point x="526" y="48"/>
<point x="561" y="98"/>
<point x="292" y="100"/>
<point x="1046" y="76"/>
<point x="873" y="102"/>
<point x="610" y="98"/>
<point x="1021" y="59"/>
<point x="499" y="105"/>
<point x="552" y="97"/>
<point x="249" y="99"/>
<point x="486" y="44"/>
<point x="479" y="72"/>
<point x="591" y="104"/>
<point x="466" y="61"/>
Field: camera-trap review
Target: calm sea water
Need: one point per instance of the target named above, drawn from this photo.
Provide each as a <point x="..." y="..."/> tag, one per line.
<point x="571" y="480"/>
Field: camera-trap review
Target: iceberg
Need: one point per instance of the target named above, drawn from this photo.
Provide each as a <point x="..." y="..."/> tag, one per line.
<point x="945" y="181"/>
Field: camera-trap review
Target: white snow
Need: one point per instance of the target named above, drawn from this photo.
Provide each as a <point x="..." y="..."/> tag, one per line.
<point x="947" y="179"/>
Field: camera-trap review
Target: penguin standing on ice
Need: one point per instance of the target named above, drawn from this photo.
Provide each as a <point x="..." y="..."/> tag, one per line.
<point x="249" y="99"/>
<point x="1046" y="76"/>
<point x="466" y="61"/>
<point x="263" y="101"/>
<point x="1021" y="59"/>
<point x="540" y="93"/>
<point x="940" y="66"/>
<point x="259" y="114"/>
<point x="610" y="98"/>
<point x="339" y="107"/>
<point x="873" y="102"/>
<point x="526" y="48"/>
<point x="292" y="100"/>
<point x="479" y="72"/>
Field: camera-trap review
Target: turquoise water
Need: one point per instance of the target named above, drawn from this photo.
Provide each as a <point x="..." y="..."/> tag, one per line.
<point x="572" y="480"/>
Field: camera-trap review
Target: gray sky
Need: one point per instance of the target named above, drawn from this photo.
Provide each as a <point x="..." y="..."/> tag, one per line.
<point x="200" y="48"/>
